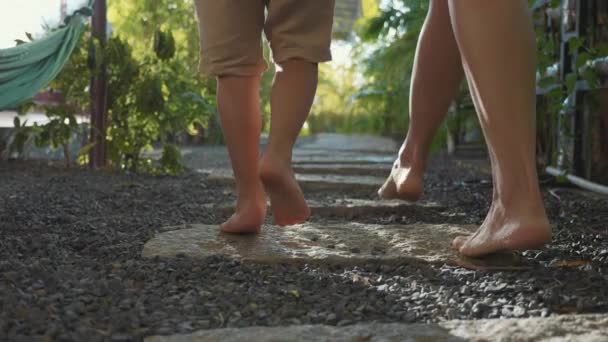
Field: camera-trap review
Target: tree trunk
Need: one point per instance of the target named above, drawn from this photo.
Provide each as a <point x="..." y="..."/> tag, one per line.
<point x="97" y="155"/>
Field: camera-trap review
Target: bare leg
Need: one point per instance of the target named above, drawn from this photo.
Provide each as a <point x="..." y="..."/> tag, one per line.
<point x="239" y="107"/>
<point x="437" y="76"/>
<point x="497" y="46"/>
<point x="292" y="95"/>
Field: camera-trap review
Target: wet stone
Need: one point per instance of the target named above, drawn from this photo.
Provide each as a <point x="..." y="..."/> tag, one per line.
<point x="349" y="243"/>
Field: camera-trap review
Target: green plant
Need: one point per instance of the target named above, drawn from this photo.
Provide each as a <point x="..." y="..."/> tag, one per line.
<point x="18" y="138"/>
<point x="555" y="109"/>
<point x="151" y="99"/>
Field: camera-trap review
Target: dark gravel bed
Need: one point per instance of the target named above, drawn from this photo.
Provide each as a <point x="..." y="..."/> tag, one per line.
<point x="70" y="269"/>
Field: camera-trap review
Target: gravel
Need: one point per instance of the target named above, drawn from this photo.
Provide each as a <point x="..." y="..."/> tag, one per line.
<point x="70" y="269"/>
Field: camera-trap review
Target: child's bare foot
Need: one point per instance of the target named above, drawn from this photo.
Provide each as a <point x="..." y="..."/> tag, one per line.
<point x="286" y="199"/>
<point x="403" y="183"/>
<point x="249" y="215"/>
<point x="502" y="230"/>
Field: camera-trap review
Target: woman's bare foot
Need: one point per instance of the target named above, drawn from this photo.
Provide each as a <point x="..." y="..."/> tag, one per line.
<point x="504" y="230"/>
<point x="286" y="198"/>
<point x="403" y="183"/>
<point x="249" y="215"/>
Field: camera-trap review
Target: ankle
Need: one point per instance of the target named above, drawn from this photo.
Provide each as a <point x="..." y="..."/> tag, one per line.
<point x="415" y="163"/>
<point x="523" y="207"/>
<point x="250" y="193"/>
<point x="252" y="203"/>
<point x="414" y="158"/>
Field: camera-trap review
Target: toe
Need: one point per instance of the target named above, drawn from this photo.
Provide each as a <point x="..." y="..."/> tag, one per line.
<point x="388" y="189"/>
<point x="458" y="242"/>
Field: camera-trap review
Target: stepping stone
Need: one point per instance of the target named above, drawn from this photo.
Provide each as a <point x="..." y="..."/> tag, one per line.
<point x="341" y="158"/>
<point x="471" y="151"/>
<point x="352" y="142"/>
<point x="591" y="328"/>
<point x="345" y="244"/>
<point x="375" y="169"/>
<point x="158" y="153"/>
<point x="478" y="165"/>
<point x="311" y="182"/>
<point x="352" y="208"/>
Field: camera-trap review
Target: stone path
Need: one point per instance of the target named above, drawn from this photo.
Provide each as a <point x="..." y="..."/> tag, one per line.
<point x="591" y="328"/>
<point x="72" y="265"/>
<point x="351" y="143"/>
<point x="354" y="165"/>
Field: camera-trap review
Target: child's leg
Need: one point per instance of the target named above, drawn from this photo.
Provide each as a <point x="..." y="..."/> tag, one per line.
<point x="231" y="49"/>
<point x="437" y="75"/>
<point x="239" y="107"/>
<point x="497" y="44"/>
<point x="300" y="34"/>
<point x="292" y="95"/>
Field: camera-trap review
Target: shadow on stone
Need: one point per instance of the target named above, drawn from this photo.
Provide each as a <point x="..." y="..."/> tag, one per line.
<point x="507" y="261"/>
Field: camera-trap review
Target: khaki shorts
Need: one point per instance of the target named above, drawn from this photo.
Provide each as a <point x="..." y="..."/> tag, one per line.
<point x="231" y="33"/>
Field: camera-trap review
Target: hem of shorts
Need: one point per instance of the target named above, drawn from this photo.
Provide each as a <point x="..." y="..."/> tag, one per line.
<point x="297" y="53"/>
<point x="240" y="70"/>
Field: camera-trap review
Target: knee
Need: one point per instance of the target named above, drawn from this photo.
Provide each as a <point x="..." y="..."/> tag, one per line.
<point x="297" y="64"/>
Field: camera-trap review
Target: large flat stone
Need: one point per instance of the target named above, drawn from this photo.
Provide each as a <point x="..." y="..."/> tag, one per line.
<point x="349" y="243"/>
<point x="354" y="143"/>
<point x="479" y="165"/>
<point x="342" y="158"/>
<point x="350" y="208"/>
<point x="591" y="328"/>
<point x="376" y="169"/>
<point x="316" y="182"/>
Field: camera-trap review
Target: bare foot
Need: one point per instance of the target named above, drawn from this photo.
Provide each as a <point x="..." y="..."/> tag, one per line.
<point x="506" y="231"/>
<point x="403" y="183"/>
<point x="286" y="199"/>
<point x="249" y="215"/>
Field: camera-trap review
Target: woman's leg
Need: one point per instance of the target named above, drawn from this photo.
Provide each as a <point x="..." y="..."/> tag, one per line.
<point x="435" y="81"/>
<point x="497" y="45"/>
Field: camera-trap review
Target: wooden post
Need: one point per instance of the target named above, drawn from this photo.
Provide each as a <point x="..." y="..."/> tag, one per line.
<point x="99" y="87"/>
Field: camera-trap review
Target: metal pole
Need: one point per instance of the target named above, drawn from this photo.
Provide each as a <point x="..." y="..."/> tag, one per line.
<point x="99" y="87"/>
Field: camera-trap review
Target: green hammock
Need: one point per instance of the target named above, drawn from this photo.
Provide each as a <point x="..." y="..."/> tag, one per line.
<point x="27" y="68"/>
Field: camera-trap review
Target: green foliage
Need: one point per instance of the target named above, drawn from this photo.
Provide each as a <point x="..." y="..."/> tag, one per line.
<point x="154" y="90"/>
<point x="170" y="160"/>
<point x="169" y="28"/>
<point x="139" y="21"/>
<point x="164" y="44"/>
<point x="148" y="101"/>
<point x="371" y="95"/>
<point x="20" y="135"/>
<point x="556" y="106"/>
<point x="62" y="125"/>
<point x="388" y="68"/>
<point x="58" y="131"/>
